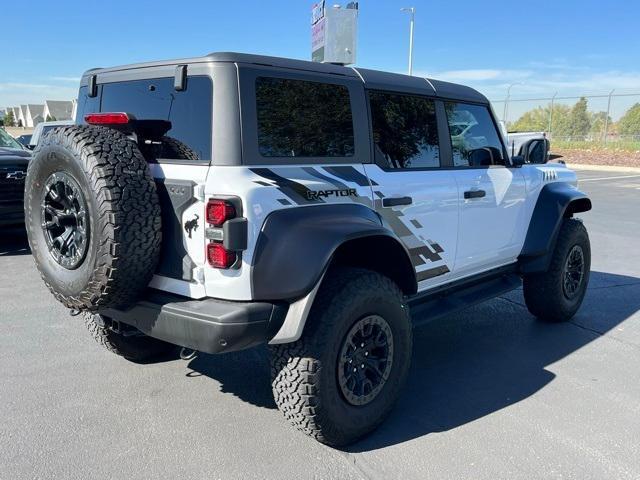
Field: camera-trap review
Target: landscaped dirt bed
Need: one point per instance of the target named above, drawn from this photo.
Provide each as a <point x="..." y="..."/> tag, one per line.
<point x="608" y="157"/>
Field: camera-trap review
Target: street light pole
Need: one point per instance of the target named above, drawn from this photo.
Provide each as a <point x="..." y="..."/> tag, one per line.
<point x="412" y="11"/>
<point x="505" y="112"/>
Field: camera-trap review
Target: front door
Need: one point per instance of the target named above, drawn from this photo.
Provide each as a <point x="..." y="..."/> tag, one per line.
<point x="491" y="195"/>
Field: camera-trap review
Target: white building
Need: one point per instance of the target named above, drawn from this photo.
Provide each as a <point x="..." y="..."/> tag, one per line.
<point x="34" y="115"/>
<point x="58" y="110"/>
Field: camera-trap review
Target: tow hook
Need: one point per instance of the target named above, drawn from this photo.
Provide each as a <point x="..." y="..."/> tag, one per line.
<point x="188" y="353"/>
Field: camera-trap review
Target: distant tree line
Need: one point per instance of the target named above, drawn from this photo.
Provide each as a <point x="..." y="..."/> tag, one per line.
<point x="577" y="121"/>
<point x="9" y="120"/>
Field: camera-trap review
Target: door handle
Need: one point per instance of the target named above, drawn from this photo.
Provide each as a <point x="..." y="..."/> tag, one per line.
<point x="474" y="194"/>
<point x="395" y="201"/>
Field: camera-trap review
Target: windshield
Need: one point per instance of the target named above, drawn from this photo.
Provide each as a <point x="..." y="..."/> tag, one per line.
<point x="8" y="141"/>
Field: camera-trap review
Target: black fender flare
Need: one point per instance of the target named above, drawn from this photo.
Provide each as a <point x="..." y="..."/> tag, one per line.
<point x="556" y="201"/>
<point x="296" y="245"/>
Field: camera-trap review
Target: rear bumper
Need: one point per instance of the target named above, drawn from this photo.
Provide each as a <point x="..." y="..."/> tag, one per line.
<point x="209" y="325"/>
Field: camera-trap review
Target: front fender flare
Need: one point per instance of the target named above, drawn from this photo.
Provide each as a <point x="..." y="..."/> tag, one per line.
<point x="556" y="201"/>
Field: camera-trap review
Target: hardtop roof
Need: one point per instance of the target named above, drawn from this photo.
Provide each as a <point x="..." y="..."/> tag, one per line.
<point x="373" y="79"/>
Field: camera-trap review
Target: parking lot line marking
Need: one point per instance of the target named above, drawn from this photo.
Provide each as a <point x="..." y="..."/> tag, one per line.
<point x="606" y="178"/>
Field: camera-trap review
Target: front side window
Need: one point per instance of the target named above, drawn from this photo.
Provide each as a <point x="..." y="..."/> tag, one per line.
<point x="188" y="113"/>
<point x="404" y="130"/>
<point x="298" y="118"/>
<point x="474" y="139"/>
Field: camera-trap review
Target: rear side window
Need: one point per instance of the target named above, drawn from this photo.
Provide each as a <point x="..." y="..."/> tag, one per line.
<point x="189" y="112"/>
<point x="298" y="118"/>
<point x="404" y="131"/>
<point x="474" y="139"/>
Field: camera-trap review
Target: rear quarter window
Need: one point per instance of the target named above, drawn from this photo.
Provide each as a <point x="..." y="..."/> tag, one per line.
<point x="189" y="112"/>
<point x="299" y="118"/>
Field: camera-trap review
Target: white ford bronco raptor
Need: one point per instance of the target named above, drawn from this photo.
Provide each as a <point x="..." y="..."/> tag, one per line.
<point x="221" y="202"/>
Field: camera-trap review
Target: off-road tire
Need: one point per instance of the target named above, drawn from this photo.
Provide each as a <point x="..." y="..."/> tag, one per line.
<point x="123" y="216"/>
<point x="543" y="292"/>
<point x="304" y="373"/>
<point x="136" y="348"/>
<point x="172" y="148"/>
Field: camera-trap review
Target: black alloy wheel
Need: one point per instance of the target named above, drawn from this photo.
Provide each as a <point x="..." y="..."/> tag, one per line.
<point x="573" y="272"/>
<point x="65" y="220"/>
<point x="365" y="360"/>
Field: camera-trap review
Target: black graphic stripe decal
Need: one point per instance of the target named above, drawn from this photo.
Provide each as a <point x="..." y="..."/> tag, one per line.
<point x="331" y="181"/>
<point x="432" y="272"/>
<point x="426" y="253"/>
<point x="297" y="192"/>
<point x="436" y="247"/>
<point x="350" y="174"/>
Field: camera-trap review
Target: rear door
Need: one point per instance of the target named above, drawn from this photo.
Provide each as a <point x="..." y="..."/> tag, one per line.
<point x="491" y="193"/>
<point x="179" y="161"/>
<point x="413" y="193"/>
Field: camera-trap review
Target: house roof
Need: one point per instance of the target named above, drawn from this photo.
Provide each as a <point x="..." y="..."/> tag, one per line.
<point x="60" y="109"/>
<point x="35" y="109"/>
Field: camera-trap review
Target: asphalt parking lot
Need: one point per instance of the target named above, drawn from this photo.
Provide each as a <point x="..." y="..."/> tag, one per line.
<point x="492" y="392"/>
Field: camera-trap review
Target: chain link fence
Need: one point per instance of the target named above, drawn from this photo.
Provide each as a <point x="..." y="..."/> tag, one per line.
<point x="610" y="119"/>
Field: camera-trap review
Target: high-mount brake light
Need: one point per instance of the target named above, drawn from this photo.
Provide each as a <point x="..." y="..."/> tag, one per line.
<point x="219" y="211"/>
<point x="110" y="118"/>
<point x="220" y="257"/>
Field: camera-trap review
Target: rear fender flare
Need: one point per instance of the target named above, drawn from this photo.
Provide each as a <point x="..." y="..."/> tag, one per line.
<point x="296" y="245"/>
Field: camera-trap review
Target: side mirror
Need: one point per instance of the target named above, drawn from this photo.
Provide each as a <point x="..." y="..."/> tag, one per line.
<point x="484" y="156"/>
<point x="536" y="151"/>
<point x="30" y="147"/>
<point x="517" y="160"/>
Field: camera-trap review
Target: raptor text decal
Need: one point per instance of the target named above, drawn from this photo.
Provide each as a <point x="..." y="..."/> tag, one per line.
<point x="316" y="194"/>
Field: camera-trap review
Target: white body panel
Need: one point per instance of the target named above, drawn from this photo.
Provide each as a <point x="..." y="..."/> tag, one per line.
<point x="194" y="246"/>
<point x="428" y="226"/>
<point x="467" y="236"/>
<point x="492" y="228"/>
<point x="271" y="188"/>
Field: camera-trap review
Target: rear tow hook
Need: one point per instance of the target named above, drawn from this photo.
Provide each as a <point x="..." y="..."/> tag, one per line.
<point x="188" y="353"/>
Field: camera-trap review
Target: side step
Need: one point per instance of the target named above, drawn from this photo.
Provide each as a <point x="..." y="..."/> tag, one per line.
<point x="455" y="297"/>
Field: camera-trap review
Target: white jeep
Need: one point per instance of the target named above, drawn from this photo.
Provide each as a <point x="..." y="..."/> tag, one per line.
<point x="221" y="202"/>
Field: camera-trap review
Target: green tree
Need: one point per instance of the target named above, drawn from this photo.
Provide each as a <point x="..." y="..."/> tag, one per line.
<point x="580" y="119"/>
<point x="533" y="120"/>
<point x="540" y="118"/>
<point x="50" y="118"/>
<point x="9" y="120"/>
<point x="598" y="121"/>
<point x="629" y="124"/>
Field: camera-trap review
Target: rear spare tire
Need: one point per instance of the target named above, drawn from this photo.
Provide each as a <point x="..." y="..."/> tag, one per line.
<point x="92" y="216"/>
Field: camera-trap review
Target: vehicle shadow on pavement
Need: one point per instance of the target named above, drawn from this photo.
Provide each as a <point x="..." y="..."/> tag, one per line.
<point x="492" y="356"/>
<point x="13" y="241"/>
<point x="244" y="374"/>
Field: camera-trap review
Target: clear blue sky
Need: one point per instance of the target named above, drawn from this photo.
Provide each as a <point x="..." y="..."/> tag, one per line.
<point x="569" y="46"/>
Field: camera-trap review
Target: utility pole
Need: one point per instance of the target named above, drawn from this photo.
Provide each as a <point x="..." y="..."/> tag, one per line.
<point x="606" y="120"/>
<point x="412" y="11"/>
<point x="553" y="99"/>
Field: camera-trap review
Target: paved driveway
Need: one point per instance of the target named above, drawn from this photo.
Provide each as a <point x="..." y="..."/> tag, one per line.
<point x="492" y="393"/>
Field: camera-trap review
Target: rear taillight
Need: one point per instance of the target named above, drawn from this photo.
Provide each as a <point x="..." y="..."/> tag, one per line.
<point x="219" y="211"/>
<point x="220" y="257"/>
<point x="110" y="118"/>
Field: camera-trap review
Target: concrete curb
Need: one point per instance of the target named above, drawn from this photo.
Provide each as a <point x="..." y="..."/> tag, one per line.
<point x="602" y="168"/>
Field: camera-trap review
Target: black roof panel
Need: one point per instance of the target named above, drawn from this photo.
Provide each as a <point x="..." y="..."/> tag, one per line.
<point x="374" y="79"/>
